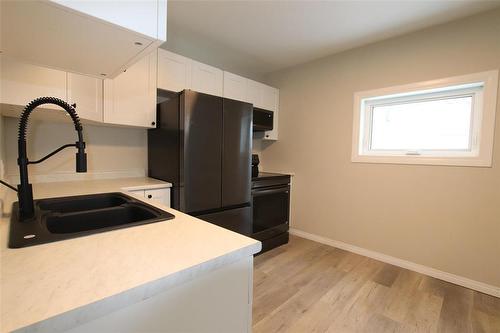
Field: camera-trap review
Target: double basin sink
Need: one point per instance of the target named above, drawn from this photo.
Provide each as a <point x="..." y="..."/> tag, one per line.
<point x="69" y="217"/>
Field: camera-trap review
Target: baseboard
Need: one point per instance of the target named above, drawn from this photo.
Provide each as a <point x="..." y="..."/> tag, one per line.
<point x="73" y="176"/>
<point x="435" y="273"/>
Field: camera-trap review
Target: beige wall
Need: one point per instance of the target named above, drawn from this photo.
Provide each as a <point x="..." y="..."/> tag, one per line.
<point x="444" y="217"/>
<point x="109" y="149"/>
<point x="2" y="148"/>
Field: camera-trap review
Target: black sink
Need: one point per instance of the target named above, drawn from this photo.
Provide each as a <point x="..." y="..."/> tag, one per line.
<point x="69" y="217"/>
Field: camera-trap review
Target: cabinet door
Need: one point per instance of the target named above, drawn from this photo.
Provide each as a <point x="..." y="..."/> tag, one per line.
<point x="130" y="98"/>
<point x="253" y="93"/>
<point x="206" y="79"/>
<point x="174" y="71"/>
<point x="235" y="87"/>
<point x="269" y="98"/>
<point x="86" y="92"/>
<point x="21" y="83"/>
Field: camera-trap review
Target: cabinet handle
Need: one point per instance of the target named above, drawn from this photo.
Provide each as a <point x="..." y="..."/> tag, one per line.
<point x="153" y="123"/>
<point x="149" y="196"/>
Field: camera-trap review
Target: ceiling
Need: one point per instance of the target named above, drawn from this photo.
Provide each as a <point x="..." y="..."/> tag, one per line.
<point x="266" y="36"/>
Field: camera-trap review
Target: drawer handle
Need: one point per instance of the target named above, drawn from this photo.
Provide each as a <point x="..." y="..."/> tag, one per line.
<point x="149" y="196"/>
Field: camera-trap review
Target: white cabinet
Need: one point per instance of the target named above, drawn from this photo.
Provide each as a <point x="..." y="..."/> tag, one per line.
<point x="139" y="16"/>
<point x="98" y="38"/>
<point x="206" y="79"/>
<point x="86" y="92"/>
<point x="174" y="71"/>
<point x="265" y="97"/>
<point x="160" y="195"/>
<point x="218" y="300"/>
<point x="270" y="101"/>
<point x="130" y="98"/>
<point x="270" y="98"/>
<point x="235" y="87"/>
<point x="21" y="83"/>
<point x="253" y="92"/>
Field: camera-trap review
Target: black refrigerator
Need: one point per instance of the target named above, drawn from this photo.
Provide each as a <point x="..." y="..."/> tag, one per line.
<point x="203" y="146"/>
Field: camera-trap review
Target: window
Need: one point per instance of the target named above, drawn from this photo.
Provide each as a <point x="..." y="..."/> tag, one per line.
<point x="444" y="122"/>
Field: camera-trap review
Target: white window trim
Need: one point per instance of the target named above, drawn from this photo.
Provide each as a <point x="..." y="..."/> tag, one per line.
<point x="485" y="120"/>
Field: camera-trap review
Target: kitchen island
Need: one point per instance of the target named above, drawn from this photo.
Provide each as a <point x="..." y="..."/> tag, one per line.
<point x="182" y="274"/>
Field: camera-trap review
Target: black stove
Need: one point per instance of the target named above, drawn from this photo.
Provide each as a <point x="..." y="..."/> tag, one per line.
<point x="271" y="209"/>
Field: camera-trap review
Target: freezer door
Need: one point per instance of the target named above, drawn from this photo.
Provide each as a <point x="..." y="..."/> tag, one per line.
<point x="238" y="220"/>
<point x="201" y="151"/>
<point x="236" y="153"/>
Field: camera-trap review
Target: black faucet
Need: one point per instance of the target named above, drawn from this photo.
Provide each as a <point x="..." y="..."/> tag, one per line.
<point x="24" y="189"/>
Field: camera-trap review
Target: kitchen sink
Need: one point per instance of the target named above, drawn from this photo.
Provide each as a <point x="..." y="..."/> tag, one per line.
<point x="69" y="217"/>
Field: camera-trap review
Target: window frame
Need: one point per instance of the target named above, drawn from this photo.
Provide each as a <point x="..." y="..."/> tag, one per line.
<point x="481" y="86"/>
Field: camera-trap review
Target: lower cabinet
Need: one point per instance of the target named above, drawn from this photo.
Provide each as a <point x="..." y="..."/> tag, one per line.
<point x="160" y="195"/>
<point x="216" y="301"/>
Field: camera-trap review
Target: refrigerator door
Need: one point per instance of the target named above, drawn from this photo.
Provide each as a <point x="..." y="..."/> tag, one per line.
<point x="238" y="220"/>
<point x="201" y="152"/>
<point x="236" y="153"/>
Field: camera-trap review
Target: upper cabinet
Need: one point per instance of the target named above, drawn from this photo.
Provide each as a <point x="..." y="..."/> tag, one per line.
<point x="85" y="93"/>
<point x="130" y="98"/>
<point x="235" y="87"/>
<point x="266" y="97"/>
<point x="98" y="38"/>
<point x="206" y="79"/>
<point x="174" y="71"/>
<point x="21" y="83"/>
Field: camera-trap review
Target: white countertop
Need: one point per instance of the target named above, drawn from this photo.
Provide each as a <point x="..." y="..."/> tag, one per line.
<point x="80" y="279"/>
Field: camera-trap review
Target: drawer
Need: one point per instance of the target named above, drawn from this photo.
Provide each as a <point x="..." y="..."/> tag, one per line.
<point x="161" y="195"/>
<point x="156" y="193"/>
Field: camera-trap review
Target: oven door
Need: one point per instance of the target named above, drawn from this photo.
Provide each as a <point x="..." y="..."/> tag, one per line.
<point x="270" y="211"/>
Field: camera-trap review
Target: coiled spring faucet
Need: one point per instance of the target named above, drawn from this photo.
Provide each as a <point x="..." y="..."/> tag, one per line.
<point x="24" y="189"/>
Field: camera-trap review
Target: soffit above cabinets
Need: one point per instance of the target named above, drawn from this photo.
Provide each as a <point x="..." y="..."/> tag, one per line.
<point x="80" y="39"/>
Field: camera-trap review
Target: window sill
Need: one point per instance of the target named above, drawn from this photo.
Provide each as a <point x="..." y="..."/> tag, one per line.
<point x="424" y="160"/>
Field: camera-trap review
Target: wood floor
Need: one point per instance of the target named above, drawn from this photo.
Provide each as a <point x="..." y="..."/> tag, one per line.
<point x="305" y="286"/>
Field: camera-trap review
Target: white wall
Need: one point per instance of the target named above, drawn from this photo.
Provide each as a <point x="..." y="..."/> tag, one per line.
<point x="192" y="45"/>
<point x="109" y="149"/>
<point x="443" y="217"/>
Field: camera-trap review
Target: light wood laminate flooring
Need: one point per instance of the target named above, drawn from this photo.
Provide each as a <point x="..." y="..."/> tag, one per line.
<point x="306" y="286"/>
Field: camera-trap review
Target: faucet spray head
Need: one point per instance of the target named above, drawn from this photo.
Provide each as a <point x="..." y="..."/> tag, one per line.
<point x="81" y="157"/>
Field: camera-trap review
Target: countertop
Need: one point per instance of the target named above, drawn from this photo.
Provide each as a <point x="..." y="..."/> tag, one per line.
<point x="60" y="285"/>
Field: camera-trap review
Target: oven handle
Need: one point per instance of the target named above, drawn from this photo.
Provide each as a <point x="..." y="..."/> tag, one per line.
<point x="258" y="192"/>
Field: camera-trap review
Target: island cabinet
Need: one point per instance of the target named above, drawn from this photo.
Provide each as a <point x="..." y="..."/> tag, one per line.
<point x="217" y="301"/>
